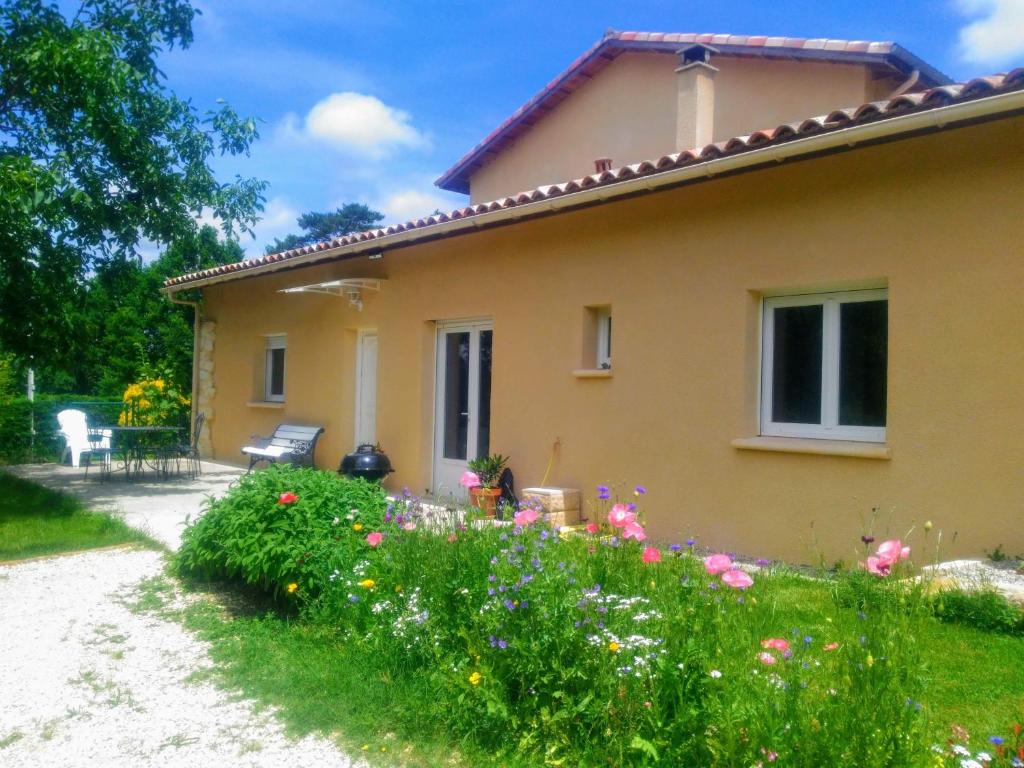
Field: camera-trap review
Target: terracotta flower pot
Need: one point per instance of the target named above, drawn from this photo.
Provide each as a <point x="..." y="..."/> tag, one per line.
<point x="485" y="499"/>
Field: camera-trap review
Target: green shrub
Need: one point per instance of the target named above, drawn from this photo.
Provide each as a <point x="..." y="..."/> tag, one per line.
<point x="986" y="610"/>
<point x="258" y="536"/>
<point x="18" y="416"/>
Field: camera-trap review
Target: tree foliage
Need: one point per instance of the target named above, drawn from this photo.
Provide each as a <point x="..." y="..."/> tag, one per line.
<point x="351" y="217"/>
<point x="98" y="156"/>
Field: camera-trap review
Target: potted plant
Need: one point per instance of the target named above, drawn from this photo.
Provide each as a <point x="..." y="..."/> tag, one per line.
<point x="482" y="482"/>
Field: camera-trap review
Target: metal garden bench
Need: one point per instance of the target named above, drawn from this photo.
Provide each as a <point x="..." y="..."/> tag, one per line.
<point x="291" y="443"/>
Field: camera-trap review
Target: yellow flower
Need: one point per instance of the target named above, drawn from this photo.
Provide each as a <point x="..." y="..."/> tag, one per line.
<point x="367" y="583"/>
<point x="357" y="527"/>
<point x="928" y="525"/>
<point x="475" y="678"/>
<point x="614" y="647"/>
<point x="292" y="587"/>
<point x="159" y="384"/>
<point x="870" y="660"/>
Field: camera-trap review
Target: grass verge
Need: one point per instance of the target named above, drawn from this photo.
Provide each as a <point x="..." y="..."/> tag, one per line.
<point x="36" y="521"/>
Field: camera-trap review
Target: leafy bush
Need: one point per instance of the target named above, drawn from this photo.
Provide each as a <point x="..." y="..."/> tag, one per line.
<point x="281" y="527"/>
<point x="586" y="649"/>
<point x="986" y="610"/>
<point x="154" y="401"/>
<point x="18" y="415"/>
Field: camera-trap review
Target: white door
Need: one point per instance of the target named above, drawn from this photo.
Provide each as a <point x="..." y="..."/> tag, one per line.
<point x="366" y="388"/>
<point x="462" y="411"/>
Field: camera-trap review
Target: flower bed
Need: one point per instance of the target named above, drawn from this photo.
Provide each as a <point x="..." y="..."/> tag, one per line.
<point x="590" y="649"/>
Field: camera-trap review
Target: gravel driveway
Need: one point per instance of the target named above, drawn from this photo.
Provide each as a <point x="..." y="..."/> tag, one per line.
<point x="85" y="681"/>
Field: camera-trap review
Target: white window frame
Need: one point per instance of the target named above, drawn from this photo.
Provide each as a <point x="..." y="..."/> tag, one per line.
<point x="603" y="357"/>
<point x="275" y="341"/>
<point x="829" y="428"/>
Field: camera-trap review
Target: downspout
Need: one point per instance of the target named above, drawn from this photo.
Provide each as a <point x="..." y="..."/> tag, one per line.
<point x="906" y="85"/>
<point x="196" y="311"/>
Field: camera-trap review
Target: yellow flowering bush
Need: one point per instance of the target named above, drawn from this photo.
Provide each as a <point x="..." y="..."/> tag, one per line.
<point x="153" y="402"/>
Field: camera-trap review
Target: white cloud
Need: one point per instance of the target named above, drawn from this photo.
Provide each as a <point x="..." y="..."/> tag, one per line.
<point x="996" y="35"/>
<point x="407" y="204"/>
<point x="355" y="122"/>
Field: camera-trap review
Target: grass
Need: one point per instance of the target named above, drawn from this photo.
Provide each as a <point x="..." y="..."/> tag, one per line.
<point x="36" y="521"/>
<point x="321" y="685"/>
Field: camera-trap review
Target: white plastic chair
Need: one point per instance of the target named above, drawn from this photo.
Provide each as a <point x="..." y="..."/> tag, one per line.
<point x="78" y="438"/>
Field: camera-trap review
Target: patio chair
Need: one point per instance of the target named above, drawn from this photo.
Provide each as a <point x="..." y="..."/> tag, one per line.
<point x="78" y="438"/>
<point x="189" y="453"/>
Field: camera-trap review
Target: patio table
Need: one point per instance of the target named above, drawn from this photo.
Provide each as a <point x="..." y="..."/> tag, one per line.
<point x="133" y="442"/>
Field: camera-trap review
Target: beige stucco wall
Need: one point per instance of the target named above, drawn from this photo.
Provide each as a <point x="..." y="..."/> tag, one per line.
<point x="628" y="113"/>
<point x="937" y="218"/>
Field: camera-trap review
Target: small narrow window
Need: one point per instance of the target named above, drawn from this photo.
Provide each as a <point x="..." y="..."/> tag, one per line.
<point x="274" y="383"/>
<point x="824" y="368"/>
<point x="604" y="338"/>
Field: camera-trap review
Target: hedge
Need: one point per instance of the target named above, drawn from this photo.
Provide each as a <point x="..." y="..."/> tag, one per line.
<point x="17" y="416"/>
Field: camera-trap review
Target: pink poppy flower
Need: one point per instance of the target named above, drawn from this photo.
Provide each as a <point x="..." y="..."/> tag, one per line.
<point x="287" y="498"/>
<point x="652" y="555"/>
<point x="470" y="480"/>
<point x="775" y="644"/>
<point x="893" y="551"/>
<point x="830" y="647"/>
<point x="525" y="516"/>
<point x="766" y="658"/>
<point x="410" y="526"/>
<point x="621" y="514"/>
<point x="715" y="564"/>
<point x="593" y="528"/>
<point x="877" y="566"/>
<point x="737" y="579"/>
<point x="633" y="530"/>
<point x="374" y="539"/>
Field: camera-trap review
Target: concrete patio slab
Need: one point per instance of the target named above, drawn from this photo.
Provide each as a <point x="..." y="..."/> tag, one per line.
<point x="159" y="508"/>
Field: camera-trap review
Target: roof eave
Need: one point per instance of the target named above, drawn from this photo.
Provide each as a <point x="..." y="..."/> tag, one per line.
<point x="983" y="108"/>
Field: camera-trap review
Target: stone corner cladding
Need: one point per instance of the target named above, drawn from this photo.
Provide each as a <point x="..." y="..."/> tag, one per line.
<point x="207" y="389"/>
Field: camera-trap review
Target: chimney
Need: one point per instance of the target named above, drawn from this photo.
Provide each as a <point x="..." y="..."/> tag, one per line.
<point x="602" y="164"/>
<point x="695" y="96"/>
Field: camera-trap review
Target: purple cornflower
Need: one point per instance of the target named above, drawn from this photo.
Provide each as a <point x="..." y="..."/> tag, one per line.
<point x="675" y="547"/>
<point x="502" y="644"/>
<point x="491" y="577"/>
<point x="787" y="654"/>
<point x="503" y="537"/>
<point x="997" y="740"/>
<point x="509" y="604"/>
<point x="615" y="541"/>
<point x="867" y="539"/>
<point x="519" y="548"/>
<point x="639" y="490"/>
<point x="713" y="585"/>
<point x="808" y="639"/>
<point x="491" y="592"/>
<point x="353" y="599"/>
<point x="535" y="563"/>
<point x="544" y="534"/>
<point x="524" y="604"/>
<point x="387" y="517"/>
<point x="691" y="541"/>
<point x="763" y="563"/>
<point x="399" y="519"/>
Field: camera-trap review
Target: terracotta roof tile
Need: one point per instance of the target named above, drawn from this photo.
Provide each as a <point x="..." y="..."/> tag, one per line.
<point x="614" y="44"/>
<point x="835" y="120"/>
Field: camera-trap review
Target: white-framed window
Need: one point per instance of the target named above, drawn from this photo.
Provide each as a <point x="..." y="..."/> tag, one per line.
<point x="824" y="365"/>
<point x="273" y="387"/>
<point x="604" y="338"/>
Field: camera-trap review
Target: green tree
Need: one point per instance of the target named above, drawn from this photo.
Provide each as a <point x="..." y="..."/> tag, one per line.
<point x="351" y="217"/>
<point x="96" y="156"/>
<point x="128" y="327"/>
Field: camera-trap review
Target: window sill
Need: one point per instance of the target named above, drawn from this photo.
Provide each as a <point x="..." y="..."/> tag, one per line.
<point x="850" y="448"/>
<point x="278" y="404"/>
<point x="592" y="373"/>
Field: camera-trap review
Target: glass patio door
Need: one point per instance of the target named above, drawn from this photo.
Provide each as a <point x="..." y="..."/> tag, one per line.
<point x="462" y="412"/>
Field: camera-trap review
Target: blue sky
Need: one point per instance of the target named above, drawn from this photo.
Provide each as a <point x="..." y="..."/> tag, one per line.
<point x="370" y="101"/>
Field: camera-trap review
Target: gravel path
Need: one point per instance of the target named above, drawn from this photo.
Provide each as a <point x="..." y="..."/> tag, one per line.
<point x="84" y="681"/>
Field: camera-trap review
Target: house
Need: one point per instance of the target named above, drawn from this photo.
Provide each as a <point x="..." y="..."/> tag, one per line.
<point x="776" y="281"/>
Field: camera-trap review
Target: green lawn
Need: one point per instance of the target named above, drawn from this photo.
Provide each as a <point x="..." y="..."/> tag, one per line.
<point x="37" y="521"/>
<point x="320" y="684"/>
